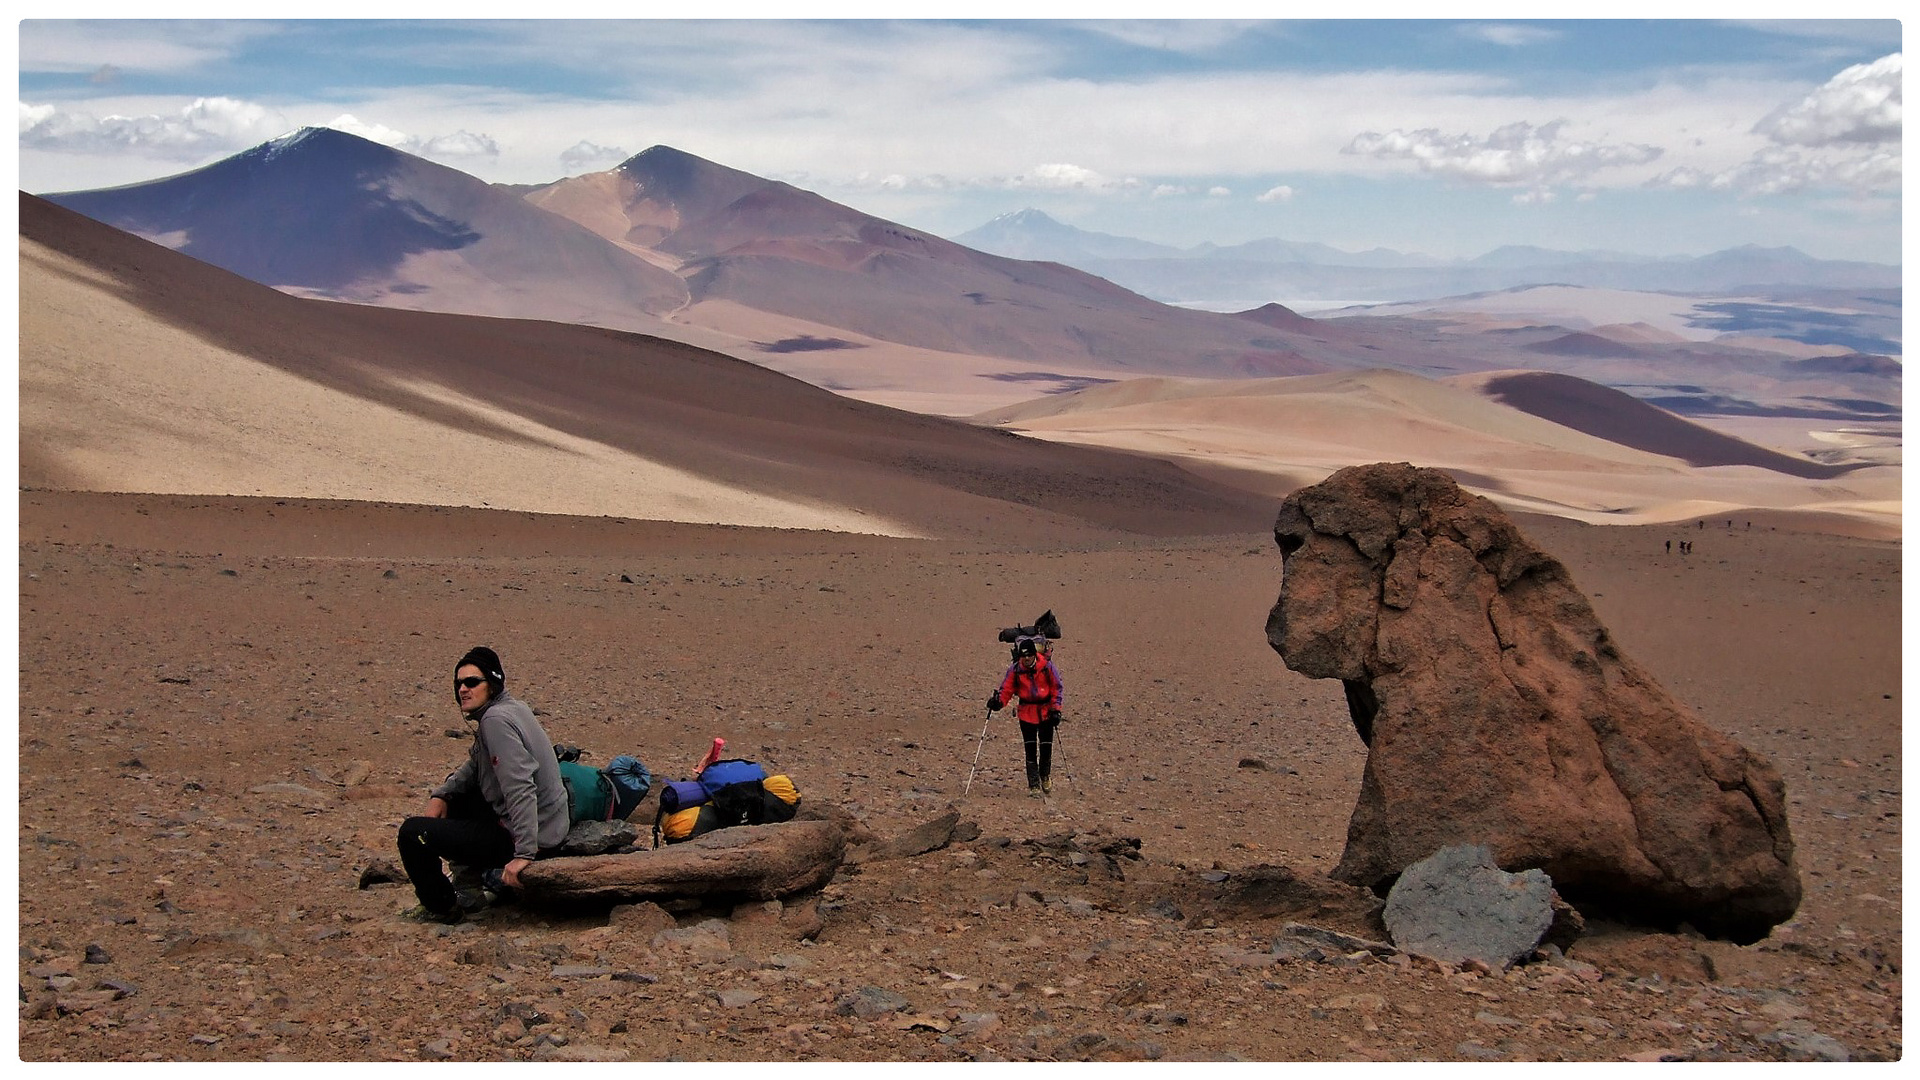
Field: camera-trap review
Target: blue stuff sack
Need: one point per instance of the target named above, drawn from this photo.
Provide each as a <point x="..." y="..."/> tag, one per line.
<point x="631" y="782"/>
<point x="723" y="774"/>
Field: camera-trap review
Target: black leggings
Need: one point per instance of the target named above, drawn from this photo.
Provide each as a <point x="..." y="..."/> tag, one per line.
<point x="1038" y="739"/>
<point x="470" y="834"/>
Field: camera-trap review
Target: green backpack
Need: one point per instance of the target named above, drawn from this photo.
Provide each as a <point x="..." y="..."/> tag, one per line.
<point x="589" y="792"/>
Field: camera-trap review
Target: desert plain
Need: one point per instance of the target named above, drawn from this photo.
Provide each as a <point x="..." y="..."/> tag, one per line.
<point x="250" y="549"/>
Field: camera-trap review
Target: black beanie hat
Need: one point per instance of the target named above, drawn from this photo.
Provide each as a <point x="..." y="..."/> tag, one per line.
<point x="488" y="662"/>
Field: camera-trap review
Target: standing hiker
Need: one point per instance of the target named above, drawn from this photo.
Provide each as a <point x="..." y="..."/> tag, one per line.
<point x="1034" y="685"/>
<point x="501" y="808"/>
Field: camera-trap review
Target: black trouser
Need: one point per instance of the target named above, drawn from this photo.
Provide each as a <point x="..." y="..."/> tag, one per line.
<point x="1038" y="739"/>
<point x="470" y="834"/>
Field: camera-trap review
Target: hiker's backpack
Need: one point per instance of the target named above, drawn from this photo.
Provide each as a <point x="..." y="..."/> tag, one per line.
<point x="726" y="793"/>
<point x="601" y="794"/>
<point x="1044" y="632"/>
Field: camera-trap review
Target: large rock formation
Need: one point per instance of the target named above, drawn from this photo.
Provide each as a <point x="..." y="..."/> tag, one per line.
<point x="750" y="862"/>
<point x="1498" y="711"/>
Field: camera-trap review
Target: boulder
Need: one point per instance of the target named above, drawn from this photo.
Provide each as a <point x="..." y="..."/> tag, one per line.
<point x="1497" y="710"/>
<point x="749" y="862"/>
<point x="1457" y="905"/>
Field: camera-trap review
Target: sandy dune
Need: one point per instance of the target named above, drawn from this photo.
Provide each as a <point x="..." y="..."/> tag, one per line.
<point x="1287" y="430"/>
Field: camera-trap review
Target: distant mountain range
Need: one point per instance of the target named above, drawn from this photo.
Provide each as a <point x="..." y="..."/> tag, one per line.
<point x="1260" y="271"/>
<point x="672" y="245"/>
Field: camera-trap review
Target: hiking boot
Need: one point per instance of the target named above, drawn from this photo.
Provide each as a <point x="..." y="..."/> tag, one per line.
<point x="1046" y="786"/>
<point x="422" y="913"/>
<point x="473" y="901"/>
<point x="464" y="877"/>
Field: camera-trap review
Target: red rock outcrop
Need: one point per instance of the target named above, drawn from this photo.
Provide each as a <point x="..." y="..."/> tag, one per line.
<point x="1497" y="710"/>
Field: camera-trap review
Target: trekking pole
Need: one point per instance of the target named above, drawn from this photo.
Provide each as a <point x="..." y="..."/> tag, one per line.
<point x="976" y="755"/>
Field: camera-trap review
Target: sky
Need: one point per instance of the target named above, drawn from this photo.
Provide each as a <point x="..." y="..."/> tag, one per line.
<point x="1443" y="137"/>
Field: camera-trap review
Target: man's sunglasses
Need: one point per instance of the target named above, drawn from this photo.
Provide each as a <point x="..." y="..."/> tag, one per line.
<point x="469" y="682"/>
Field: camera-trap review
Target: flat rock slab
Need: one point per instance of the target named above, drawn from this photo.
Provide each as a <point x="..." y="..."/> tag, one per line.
<point x="752" y="862"/>
<point x="1457" y="905"/>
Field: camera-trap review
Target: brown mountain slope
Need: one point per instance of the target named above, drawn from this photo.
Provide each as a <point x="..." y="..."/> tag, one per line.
<point x="144" y="370"/>
<point x="769" y="246"/>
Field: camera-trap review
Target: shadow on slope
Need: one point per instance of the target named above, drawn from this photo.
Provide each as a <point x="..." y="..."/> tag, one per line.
<point x="1621" y="418"/>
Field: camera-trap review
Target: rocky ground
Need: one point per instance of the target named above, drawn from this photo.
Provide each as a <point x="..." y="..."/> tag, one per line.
<point x="227" y="705"/>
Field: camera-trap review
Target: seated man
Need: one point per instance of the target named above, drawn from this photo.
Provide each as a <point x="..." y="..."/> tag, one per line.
<point x="502" y="807"/>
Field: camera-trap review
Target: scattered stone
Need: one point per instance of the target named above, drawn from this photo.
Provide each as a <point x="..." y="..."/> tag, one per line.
<point x="1803" y="1043"/>
<point x="738" y="998"/>
<point x="1281" y="892"/>
<point x="1477" y="1052"/>
<point x="298" y="791"/>
<point x="356" y="773"/>
<point x="643" y="919"/>
<point x="1332" y="939"/>
<point x="705" y="941"/>
<point x="1456" y="905"/>
<point x="579" y="971"/>
<point x="928" y="837"/>
<point x="1253" y="763"/>
<point x="389" y="574"/>
<point x="564" y="1051"/>
<point x="1498" y="710"/>
<point x="870" y="1002"/>
<point x="97" y="955"/>
<point x="756" y="862"/>
<point x="381" y="872"/>
<point x="438" y="1050"/>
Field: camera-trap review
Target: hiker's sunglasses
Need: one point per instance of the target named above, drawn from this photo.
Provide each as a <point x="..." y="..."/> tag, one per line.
<point x="469" y="682"/>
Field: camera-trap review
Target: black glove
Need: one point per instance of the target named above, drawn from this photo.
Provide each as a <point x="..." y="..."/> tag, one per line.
<point x="994" y="703"/>
<point x="1054" y="717"/>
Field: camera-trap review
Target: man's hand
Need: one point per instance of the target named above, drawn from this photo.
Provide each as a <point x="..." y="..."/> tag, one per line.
<point x="510" y="875"/>
<point x="994" y="703"/>
<point x="436" y="807"/>
<point x="1054" y="717"/>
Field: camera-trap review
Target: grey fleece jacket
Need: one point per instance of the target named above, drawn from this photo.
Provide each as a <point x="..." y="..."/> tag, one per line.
<point x="512" y="762"/>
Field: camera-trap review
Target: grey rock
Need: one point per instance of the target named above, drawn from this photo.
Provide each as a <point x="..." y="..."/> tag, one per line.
<point x="1457" y="905"/>
<point x="438" y="1049"/>
<point x="598" y="837"/>
<point x="1802" y="1043"/>
<point x="870" y="1002"/>
<point x="97" y="955"/>
<point x="579" y="971"/>
<point x="737" y="998"/>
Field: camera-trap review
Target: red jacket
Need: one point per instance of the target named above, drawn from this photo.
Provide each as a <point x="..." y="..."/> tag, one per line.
<point x="1036" y="691"/>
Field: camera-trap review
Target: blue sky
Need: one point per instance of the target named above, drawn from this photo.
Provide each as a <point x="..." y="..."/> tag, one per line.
<point x="1444" y="137"/>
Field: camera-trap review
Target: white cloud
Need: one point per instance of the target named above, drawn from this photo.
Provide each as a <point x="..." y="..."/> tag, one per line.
<point x="379" y="133"/>
<point x="458" y="145"/>
<point x="1062" y="177"/>
<point x="1163" y="191"/>
<point x="1509" y="34"/>
<point x="1845" y="135"/>
<point x="1218" y="192"/>
<point x="1859" y="105"/>
<point x="1282" y="193"/>
<point x="1781" y="170"/>
<point x="1517" y="153"/>
<point x="205" y="126"/>
<point x="1533" y="196"/>
<point x="585" y="154"/>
